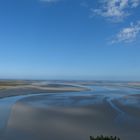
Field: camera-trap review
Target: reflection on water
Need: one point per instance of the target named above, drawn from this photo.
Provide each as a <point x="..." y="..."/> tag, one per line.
<point x="5" y="108"/>
<point x="75" y="116"/>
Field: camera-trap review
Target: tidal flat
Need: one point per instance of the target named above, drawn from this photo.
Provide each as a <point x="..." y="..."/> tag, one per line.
<point x="108" y="108"/>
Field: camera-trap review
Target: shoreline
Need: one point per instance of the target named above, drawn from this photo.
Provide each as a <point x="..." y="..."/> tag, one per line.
<point x="27" y="90"/>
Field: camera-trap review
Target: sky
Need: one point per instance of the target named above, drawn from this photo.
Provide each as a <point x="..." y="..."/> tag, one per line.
<point x="70" y="39"/>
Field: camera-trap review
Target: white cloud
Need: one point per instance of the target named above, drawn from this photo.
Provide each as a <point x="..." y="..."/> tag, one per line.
<point x="128" y="34"/>
<point x="116" y="9"/>
<point x="135" y="3"/>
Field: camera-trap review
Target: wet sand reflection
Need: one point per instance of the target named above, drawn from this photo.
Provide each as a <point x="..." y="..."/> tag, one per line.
<point x="68" y="117"/>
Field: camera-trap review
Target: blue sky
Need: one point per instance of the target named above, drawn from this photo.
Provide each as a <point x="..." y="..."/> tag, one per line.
<point x="70" y="39"/>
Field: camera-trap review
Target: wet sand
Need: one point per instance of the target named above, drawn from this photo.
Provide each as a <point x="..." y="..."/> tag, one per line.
<point x="108" y="110"/>
<point x="34" y="89"/>
<point x="63" y="123"/>
<point x="130" y="104"/>
<point x="34" y="118"/>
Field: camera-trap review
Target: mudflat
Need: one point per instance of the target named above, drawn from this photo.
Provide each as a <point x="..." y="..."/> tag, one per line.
<point x="17" y="88"/>
<point x="107" y="108"/>
<point x="57" y="117"/>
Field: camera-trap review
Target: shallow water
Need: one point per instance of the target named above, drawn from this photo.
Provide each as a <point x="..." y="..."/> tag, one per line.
<point x="105" y="110"/>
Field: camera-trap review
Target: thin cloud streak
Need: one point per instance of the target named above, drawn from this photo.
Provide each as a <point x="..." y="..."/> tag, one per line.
<point x="128" y="34"/>
<point x="115" y="10"/>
